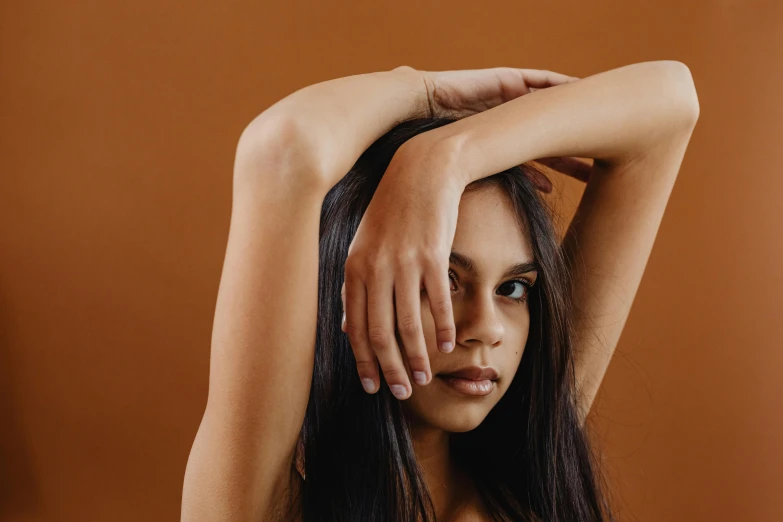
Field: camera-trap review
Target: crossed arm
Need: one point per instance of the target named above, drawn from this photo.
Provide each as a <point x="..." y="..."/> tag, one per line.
<point x="636" y="122"/>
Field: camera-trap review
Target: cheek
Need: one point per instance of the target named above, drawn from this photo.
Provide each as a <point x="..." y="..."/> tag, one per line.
<point x="519" y="333"/>
<point x="515" y="355"/>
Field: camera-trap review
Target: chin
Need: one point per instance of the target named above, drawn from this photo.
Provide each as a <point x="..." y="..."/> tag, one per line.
<point x="455" y="418"/>
<point x="440" y="407"/>
<point x="461" y="425"/>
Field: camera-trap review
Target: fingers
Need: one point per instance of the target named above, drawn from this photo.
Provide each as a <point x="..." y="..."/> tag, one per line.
<point x="355" y="326"/>
<point x="372" y="333"/>
<point x="569" y="166"/>
<point x="540" y="79"/>
<point x="538" y="178"/>
<point x="407" y="298"/>
<point x="436" y="283"/>
<point x="518" y="82"/>
<point x="383" y="313"/>
<point x="380" y="333"/>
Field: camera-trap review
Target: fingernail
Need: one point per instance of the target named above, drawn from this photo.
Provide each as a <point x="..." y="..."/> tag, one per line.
<point x="368" y="385"/>
<point x="398" y="390"/>
<point x="446" y="347"/>
<point x="420" y="378"/>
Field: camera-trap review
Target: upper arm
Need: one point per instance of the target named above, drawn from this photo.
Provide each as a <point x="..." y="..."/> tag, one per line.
<point x="263" y="342"/>
<point x="608" y="244"/>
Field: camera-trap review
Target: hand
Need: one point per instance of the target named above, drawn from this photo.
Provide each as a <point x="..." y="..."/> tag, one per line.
<point x="566" y="165"/>
<point x="389" y="265"/>
<point x="392" y="258"/>
<point x="458" y="94"/>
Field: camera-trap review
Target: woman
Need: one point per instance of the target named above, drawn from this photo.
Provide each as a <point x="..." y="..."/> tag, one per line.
<point x="479" y="340"/>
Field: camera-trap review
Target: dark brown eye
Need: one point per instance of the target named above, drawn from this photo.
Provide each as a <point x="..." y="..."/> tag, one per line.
<point x="452" y="277"/>
<point x="518" y="290"/>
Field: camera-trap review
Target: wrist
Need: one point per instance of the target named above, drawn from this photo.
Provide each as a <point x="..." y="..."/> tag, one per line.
<point x="436" y="161"/>
<point x="416" y="90"/>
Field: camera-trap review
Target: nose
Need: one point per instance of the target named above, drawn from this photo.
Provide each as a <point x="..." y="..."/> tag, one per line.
<point x="477" y="320"/>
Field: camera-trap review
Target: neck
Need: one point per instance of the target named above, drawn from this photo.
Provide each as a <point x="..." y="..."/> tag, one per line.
<point x="445" y="481"/>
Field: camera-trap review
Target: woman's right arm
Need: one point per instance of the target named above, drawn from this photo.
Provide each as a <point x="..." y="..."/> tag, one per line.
<point x="264" y="328"/>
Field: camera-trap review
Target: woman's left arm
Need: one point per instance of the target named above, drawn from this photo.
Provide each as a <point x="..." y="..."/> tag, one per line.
<point x="636" y="122"/>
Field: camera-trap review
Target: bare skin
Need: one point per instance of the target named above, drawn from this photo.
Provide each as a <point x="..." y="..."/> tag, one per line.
<point x="492" y="329"/>
<point x="635" y="121"/>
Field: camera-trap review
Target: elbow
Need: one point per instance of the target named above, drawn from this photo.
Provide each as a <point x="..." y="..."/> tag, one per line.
<point x="683" y="91"/>
<point x="275" y="149"/>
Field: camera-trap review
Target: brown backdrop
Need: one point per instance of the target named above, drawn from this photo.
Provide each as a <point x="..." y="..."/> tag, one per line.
<point x="118" y="123"/>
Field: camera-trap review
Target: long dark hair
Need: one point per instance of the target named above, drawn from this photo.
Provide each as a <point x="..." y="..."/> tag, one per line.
<point x="529" y="458"/>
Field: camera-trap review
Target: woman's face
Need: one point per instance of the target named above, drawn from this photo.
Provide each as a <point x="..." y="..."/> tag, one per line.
<point x="492" y="328"/>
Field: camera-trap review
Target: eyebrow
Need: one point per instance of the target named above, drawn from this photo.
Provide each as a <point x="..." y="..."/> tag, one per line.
<point x="467" y="264"/>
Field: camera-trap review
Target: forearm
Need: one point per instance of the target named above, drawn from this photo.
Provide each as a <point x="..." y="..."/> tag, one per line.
<point x="335" y="121"/>
<point x="611" y="116"/>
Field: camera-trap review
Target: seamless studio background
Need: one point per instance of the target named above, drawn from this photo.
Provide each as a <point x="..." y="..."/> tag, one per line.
<point x="118" y="124"/>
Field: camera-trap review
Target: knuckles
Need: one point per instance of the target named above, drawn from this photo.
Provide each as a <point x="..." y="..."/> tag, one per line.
<point x="365" y="367"/>
<point x="408" y="325"/>
<point x="372" y="263"/>
<point x="440" y="306"/>
<point x="379" y="338"/>
<point x="394" y="374"/>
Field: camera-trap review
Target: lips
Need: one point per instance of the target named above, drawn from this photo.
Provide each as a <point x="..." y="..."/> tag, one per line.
<point x="473" y="373"/>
